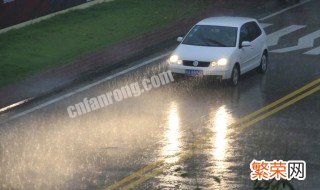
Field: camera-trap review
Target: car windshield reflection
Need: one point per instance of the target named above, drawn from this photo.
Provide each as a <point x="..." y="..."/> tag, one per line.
<point x="213" y="36"/>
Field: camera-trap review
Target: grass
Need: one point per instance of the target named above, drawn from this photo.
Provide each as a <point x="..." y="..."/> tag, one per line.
<point x="36" y="48"/>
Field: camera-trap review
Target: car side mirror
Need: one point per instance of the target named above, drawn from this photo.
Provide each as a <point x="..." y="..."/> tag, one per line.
<point x="179" y="39"/>
<point x="245" y="44"/>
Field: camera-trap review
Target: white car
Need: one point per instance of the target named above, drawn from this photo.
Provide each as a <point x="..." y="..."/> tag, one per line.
<point x="224" y="47"/>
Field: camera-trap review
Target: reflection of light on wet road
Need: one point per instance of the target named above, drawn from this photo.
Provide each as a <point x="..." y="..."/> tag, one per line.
<point x="172" y="135"/>
<point x="220" y="122"/>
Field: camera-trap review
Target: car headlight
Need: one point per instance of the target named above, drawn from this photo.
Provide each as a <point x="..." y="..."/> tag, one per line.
<point x="222" y="62"/>
<point x="175" y="59"/>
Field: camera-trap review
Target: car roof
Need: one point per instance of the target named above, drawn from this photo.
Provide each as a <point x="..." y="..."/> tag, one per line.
<point x="226" y="21"/>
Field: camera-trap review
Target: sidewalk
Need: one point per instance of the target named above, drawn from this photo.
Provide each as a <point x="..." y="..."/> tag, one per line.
<point x="114" y="56"/>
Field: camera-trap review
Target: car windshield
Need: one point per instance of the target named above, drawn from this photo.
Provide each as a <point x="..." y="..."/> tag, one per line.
<point x="214" y="36"/>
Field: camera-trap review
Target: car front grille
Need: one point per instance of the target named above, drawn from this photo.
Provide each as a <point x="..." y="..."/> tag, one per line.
<point x="200" y="64"/>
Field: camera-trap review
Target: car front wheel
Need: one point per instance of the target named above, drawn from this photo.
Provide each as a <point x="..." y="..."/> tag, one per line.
<point x="263" y="64"/>
<point x="235" y="76"/>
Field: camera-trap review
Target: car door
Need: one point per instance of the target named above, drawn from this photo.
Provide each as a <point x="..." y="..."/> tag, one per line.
<point x="256" y="43"/>
<point x="246" y="53"/>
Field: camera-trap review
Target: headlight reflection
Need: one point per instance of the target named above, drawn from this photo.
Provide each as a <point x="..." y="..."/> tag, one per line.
<point x="172" y="135"/>
<point x="220" y="122"/>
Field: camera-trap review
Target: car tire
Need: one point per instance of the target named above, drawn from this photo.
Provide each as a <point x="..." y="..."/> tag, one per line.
<point x="263" y="67"/>
<point x="235" y="76"/>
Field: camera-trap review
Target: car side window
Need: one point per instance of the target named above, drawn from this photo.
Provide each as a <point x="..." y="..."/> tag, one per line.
<point x="254" y="30"/>
<point x="244" y="34"/>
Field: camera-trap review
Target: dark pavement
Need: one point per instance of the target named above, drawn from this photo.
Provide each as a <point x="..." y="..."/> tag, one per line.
<point x="45" y="149"/>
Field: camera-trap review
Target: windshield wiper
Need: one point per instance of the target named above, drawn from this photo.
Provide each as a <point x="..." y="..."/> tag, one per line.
<point x="216" y="42"/>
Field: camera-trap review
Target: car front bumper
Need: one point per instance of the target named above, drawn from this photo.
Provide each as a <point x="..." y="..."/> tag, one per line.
<point x="219" y="72"/>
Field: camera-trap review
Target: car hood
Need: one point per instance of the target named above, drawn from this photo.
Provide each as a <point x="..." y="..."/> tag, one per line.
<point x="203" y="53"/>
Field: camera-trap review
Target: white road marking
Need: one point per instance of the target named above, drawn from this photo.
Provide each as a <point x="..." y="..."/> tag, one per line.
<point x="284" y="10"/>
<point x="303" y="43"/>
<point x="265" y="25"/>
<point x="274" y="38"/>
<point x="118" y="74"/>
<point x="315" y="51"/>
<point x="85" y="88"/>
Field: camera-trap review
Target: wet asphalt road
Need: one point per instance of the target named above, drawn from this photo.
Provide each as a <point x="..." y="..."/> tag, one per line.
<point x="45" y="149"/>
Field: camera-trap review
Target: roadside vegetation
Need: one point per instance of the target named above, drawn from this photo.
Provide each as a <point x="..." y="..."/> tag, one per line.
<point x="64" y="38"/>
<point x="273" y="185"/>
